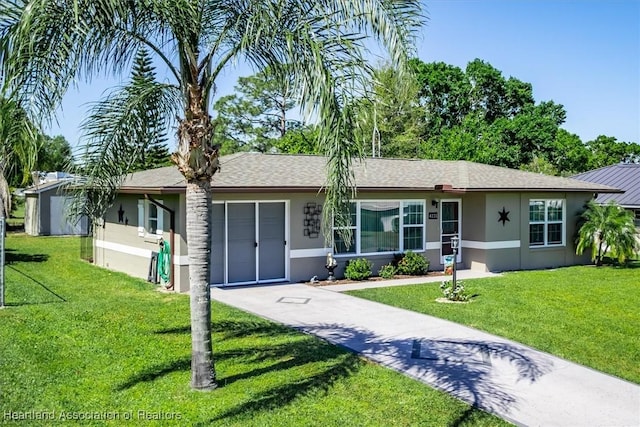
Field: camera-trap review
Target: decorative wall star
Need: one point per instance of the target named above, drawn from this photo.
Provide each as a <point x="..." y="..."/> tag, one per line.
<point x="504" y="216"/>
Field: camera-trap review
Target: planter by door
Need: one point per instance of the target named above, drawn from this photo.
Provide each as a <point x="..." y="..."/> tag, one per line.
<point x="249" y="243"/>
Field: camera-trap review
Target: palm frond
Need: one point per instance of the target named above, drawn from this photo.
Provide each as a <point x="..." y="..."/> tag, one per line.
<point x="323" y="45"/>
<point x="45" y="46"/>
<point x="118" y="131"/>
<point x="19" y="140"/>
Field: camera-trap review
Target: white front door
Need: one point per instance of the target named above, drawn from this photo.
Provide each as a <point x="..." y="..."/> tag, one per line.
<point x="450" y="225"/>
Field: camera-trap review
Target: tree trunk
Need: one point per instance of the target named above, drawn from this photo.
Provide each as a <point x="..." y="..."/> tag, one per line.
<point x="198" y="216"/>
<point x="197" y="160"/>
<point x="599" y="256"/>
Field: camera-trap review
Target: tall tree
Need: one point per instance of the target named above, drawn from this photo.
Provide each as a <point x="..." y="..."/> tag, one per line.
<point x="54" y="154"/>
<point x="322" y="44"/>
<point x="569" y="155"/>
<point x="151" y="150"/>
<point x="444" y="95"/>
<point x="302" y="140"/>
<point x="389" y="118"/>
<point x="142" y="143"/>
<point x="607" y="150"/>
<point x="258" y="113"/>
<point x="479" y="115"/>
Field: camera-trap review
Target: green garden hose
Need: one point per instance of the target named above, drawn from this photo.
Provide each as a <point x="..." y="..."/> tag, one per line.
<point x="164" y="261"/>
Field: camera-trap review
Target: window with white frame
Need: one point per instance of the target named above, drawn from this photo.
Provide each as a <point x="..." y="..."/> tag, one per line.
<point x="384" y="226"/>
<point x="637" y="217"/>
<point x="340" y="245"/>
<point x="150" y="219"/>
<point x="546" y="222"/>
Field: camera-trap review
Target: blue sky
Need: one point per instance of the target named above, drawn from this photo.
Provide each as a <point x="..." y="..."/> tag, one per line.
<point x="583" y="54"/>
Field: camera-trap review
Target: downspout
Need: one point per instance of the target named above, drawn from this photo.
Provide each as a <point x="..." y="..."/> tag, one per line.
<point x="172" y="226"/>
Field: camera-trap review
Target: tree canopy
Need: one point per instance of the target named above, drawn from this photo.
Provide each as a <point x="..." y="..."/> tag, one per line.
<point x="441" y="111"/>
<point x="257" y="114"/>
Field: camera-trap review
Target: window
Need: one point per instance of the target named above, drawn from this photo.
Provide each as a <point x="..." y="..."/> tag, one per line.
<point x="340" y="245"/>
<point x="150" y="219"/>
<point x="413" y="225"/>
<point x="546" y="222"/>
<point x="383" y="226"/>
<point x="637" y="217"/>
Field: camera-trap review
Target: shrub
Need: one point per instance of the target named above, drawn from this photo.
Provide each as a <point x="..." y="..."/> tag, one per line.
<point x="387" y="271"/>
<point x="358" y="269"/>
<point x="413" y="264"/>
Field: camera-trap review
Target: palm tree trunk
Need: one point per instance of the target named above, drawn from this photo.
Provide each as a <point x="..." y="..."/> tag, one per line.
<point x="198" y="217"/>
<point x="599" y="257"/>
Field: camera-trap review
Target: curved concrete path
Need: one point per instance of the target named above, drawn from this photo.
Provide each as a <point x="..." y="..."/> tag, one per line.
<point x="511" y="380"/>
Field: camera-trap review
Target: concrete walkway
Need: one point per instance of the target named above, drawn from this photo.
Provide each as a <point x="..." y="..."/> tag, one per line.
<point x="513" y="381"/>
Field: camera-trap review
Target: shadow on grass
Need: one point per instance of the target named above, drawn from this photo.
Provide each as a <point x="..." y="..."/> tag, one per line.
<point x="327" y="363"/>
<point x="236" y="329"/>
<point x="463" y="368"/>
<point x="12" y="257"/>
<point x="58" y="298"/>
<point x="156" y="372"/>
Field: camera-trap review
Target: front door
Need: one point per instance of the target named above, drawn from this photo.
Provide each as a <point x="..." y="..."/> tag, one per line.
<point x="450" y="225"/>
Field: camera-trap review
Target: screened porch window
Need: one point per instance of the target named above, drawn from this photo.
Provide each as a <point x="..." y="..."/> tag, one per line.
<point x="384" y="226"/>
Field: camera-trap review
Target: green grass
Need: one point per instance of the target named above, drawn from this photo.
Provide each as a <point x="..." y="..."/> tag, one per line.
<point x="16" y="219"/>
<point x="77" y="340"/>
<point x="585" y="314"/>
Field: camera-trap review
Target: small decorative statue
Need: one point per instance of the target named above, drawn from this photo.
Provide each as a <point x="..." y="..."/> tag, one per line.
<point x="331" y="265"/>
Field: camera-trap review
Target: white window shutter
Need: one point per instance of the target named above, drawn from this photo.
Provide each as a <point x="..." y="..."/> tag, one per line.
<point x="160" y="219"/>
<point x="141" y="218"/>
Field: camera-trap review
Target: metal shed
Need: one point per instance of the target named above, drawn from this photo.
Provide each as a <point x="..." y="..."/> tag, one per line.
<point x="46" y="211"/>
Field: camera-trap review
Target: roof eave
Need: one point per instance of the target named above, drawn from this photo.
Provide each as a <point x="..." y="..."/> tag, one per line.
<point x="538" y="190"/>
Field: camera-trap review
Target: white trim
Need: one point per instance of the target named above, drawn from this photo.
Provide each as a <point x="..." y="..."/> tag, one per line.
<point x="309" y="253"/>
<point x="504" y="244"/>
<point x="141" y="232"/>
<point x="430" y="246"/>
<point x="125" y="249"/>
<point x="181" y="260"/>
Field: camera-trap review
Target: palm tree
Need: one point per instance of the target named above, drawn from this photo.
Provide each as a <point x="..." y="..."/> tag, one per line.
<point x="19" y="143"/>
<point x="46" y="46"/>
<point x="607" y="228"/>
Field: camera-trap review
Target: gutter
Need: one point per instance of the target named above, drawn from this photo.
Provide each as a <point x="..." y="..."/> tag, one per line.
<point x="172" y="226"/>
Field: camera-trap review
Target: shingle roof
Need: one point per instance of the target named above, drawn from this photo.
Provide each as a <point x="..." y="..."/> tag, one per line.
<point x="256" y="171"/>
<point x="623" y="176"/>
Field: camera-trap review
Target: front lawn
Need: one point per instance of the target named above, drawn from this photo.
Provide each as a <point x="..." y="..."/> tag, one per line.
<point x="16" y="219"/>
<point x="585" y="314"/>
<point x="81" y="342"/>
